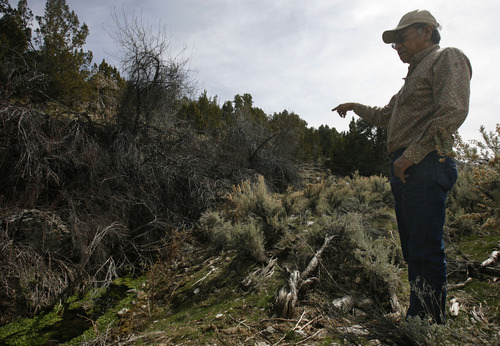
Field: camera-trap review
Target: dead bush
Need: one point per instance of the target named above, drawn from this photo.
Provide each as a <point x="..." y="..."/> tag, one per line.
<point x="34" y="269"/>
<point x="120" y="199"/>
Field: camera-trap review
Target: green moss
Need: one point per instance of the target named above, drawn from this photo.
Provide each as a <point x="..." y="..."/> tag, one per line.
<point x="65" y="320"/>
<point x="108" y="303"/>
<point x="26" y="331"/>
<point x="77" y="301"/>
<point x="262" y="301"/>
<point x="291" y="336"/>
<point x="479" y="247"/>
<point x="132" y="282"/>
<point x="100" y="326"/>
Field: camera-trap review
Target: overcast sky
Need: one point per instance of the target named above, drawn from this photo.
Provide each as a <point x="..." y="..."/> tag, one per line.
<point x="306" y="56"/>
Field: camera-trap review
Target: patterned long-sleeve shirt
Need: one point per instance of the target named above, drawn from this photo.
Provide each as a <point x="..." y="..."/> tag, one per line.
<point x="429" y="108"/>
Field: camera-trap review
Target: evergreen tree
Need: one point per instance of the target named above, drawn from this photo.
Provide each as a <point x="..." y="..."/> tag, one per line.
<point x="227" y="112"/>
<point x="310" y="145"/>
<point x="205" y="115"/>
<point x="15" y="38"/>
<point x="60" y="40"/>
<point x="289" y="129"/>
<point x="360" y="149"/>
<point x="190" y="112"/>
<point x="210" y="111"/>
<point x="243" y="105"/>
<point x="327" y="139"/>
<point x="377" y="137"/>
<point x="15" y="33"/>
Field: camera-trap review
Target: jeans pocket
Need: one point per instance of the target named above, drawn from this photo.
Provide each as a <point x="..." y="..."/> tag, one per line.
<point x="446" y="173"/>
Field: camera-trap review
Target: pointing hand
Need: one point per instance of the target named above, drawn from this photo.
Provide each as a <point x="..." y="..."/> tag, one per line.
<point x="343" y="108"/>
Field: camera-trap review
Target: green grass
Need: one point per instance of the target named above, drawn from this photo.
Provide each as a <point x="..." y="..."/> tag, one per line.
<point x="219" y="304"/>
<point x="479" y="247"/>
<point x="65" y="319"/>
<point x="26" y="331"/>
<point x="486" y="293"/>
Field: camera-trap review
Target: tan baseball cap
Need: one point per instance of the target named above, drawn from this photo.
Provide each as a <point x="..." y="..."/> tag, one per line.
<point x="413" y="17"/>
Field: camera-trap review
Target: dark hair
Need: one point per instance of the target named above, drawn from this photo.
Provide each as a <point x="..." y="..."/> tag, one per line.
<point x="435" y="36"/>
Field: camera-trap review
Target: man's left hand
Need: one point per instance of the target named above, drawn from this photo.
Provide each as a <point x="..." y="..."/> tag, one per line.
<point x="400" y="166"/>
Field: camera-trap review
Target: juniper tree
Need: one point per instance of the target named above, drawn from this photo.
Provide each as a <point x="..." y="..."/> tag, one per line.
<point x="15" y="42"/>
<point x="60" y="39"/>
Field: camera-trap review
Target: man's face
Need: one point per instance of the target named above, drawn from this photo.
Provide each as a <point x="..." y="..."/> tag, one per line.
<point x="410" y="41"/>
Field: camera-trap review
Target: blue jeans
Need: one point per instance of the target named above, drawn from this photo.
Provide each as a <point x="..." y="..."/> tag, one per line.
<point x="420" y="206"/>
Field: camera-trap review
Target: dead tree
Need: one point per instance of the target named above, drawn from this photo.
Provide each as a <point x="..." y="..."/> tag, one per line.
<point x="156" y="79"/>
<point x="286" y="300"/>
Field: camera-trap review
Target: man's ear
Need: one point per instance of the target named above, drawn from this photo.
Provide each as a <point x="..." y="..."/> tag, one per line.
<point x="428" y="32"/>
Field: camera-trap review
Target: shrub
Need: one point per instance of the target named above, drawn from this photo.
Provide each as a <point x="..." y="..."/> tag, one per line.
<point x="249" y="239"/>
<point x="378" y="257"/>
<point x="357" y="194"/>
<point x="476" y="196"/>
<point x="365" y="251"/>
<point x="422" y="332"/>
<point x="254" y="200"/>
<point x="121" y="198"/>
<point x="314" y="195"/>
<point x="291" y="201"/>
<point x="246" y="237"/>
<point x="219" y="232"/>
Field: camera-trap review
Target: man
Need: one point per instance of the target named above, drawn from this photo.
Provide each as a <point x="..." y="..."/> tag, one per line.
<point x="421" y="119"/>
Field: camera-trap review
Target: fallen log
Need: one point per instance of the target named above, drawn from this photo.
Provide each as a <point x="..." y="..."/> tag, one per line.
<point x="479" y="270"/>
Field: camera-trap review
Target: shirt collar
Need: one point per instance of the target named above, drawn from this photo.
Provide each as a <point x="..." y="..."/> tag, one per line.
<point x="417" y="58"/>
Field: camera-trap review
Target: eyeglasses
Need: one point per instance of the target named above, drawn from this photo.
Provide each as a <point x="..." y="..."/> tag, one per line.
<point x="400" y="40"/>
